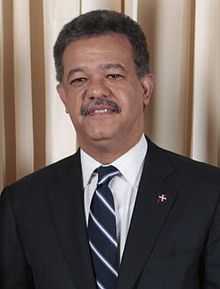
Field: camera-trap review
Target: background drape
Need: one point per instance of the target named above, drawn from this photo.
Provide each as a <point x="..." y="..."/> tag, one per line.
<point x="184" y="42"/>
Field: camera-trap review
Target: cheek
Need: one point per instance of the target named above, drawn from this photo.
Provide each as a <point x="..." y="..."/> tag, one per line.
<point x="74" y="104"/>
<point x="73" y="109"/>
<point x="133" y="101"/>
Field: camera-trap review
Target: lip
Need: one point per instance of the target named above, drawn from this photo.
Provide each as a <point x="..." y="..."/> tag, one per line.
<point x="101" y="110"/>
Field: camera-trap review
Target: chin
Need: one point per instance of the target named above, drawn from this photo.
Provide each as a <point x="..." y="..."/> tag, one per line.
<point x="98" y="134"/>
<point x="101" y="132"/>
<point x="101" y="137"/>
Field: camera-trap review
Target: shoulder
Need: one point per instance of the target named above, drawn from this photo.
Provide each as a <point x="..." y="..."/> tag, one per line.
<point x="42" y="180"/>
<point x="185" y="167"/>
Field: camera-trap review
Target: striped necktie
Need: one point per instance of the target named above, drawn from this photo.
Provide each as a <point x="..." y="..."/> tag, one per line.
<point x="102" y="231"/>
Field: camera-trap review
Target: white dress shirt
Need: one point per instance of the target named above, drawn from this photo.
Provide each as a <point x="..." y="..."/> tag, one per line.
<point x="124" y="186"/>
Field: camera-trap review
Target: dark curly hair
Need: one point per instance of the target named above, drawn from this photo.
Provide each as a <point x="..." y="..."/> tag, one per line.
<point x="101" y="22"/>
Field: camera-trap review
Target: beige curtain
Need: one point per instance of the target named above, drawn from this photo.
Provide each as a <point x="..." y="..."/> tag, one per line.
<point x="184" y="42"/>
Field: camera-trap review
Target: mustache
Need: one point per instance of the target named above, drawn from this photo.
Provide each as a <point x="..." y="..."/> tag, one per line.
<point x="94" y="104"/>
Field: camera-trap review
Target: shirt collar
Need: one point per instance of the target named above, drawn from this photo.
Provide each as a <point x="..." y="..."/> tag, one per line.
<point x="89" y="164"/>
<point x="128" y="164"/>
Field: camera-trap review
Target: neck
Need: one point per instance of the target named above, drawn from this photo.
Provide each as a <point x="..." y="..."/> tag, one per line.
<point x="107" y="154"/>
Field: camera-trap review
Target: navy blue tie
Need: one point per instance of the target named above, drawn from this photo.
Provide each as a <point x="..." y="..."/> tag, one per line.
<point x="102" y="231"/>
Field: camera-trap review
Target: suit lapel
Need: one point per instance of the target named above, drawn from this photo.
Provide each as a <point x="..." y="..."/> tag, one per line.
<point x="68" y="213"/>
<point x="148" y="217"/>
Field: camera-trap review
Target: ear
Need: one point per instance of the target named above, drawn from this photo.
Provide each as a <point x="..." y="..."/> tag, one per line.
<point x="62" y="94"/>
<point x="148" y="85"/>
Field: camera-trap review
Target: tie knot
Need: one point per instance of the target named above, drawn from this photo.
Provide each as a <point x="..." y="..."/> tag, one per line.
<point x="105" y="174"/>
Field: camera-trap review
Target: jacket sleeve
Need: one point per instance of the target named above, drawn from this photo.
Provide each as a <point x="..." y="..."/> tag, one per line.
<point x="212" y="256"/>
<point x="14" y="270"/>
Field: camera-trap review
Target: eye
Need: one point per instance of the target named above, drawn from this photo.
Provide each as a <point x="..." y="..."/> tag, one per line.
<point x="78" y="81"/>
<point x="115" y="76"/>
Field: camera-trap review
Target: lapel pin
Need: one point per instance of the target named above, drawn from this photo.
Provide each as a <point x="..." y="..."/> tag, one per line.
<point x="162" y="198"/>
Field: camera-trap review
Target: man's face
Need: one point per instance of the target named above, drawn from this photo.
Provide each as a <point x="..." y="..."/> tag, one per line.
<point x="103" y="94"/>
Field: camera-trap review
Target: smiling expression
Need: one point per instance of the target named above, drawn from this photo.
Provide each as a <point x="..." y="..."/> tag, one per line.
<point x="103" y="94"/>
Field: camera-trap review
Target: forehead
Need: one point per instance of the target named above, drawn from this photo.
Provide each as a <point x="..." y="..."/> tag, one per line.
<point x="110" y="48"/>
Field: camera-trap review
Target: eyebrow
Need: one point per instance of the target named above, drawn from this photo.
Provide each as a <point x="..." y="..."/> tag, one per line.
<point x="113" y="65"/>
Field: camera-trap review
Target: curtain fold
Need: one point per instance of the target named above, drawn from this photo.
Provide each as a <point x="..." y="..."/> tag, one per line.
<point x="88" y="5"/>
<point x="60" y="139"/>
<point x="38" y="82"/>
<point x="2" y="124"/>
<point x="205" y="144"/>
<point x="8" y="165"/>
<point x="22" y="88"/>
<point x="169" y="27"/>
<point x="184" y="43"/>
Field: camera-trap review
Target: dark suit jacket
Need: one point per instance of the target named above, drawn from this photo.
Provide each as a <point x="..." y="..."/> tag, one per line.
<point x="173" y="244"/>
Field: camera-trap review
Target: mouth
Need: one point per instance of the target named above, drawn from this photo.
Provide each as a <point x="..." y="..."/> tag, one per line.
<point x="101" y="111"/>
<point x="103" y="107"/>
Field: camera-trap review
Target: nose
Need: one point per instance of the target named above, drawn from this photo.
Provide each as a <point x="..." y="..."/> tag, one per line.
<point x="97" y="88"/>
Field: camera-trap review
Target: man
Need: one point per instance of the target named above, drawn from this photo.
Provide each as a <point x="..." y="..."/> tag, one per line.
<point x="122" y="212"/>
